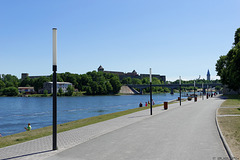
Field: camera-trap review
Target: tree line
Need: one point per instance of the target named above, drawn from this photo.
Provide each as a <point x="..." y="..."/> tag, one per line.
<point x="91" y="83"/>
<point x="228" y="66"/>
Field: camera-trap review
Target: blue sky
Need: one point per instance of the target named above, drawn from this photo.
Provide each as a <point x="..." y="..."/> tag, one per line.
<point x="175" y="38"/>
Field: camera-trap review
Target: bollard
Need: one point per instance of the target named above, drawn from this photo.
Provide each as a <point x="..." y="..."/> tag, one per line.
<point x="165" y="105"/>
<point x="195" y="99"/>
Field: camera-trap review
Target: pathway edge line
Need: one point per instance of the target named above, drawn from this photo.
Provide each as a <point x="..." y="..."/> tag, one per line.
<point x="225" y="144"/>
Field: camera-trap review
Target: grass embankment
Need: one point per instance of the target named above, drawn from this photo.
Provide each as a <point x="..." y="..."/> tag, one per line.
<point x="230" y="125"/>
<point x="46" y="131"/>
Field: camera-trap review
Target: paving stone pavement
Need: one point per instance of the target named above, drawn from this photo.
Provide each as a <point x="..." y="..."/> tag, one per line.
<point x="42" y="148"/>
<point x="183" y="133"/>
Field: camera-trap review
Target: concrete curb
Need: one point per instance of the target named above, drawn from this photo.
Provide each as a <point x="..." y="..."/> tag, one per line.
<point x="225" y="144"/>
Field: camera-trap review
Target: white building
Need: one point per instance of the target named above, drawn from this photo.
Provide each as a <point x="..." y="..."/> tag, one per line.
<point x="49" y="86"/>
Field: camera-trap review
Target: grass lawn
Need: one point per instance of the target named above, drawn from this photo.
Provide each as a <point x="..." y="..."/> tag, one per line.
<point x="232" y="101"/>
<point x="226" y="111"/>
<point x="230" y="126"/>
<point x="46" y="131"/>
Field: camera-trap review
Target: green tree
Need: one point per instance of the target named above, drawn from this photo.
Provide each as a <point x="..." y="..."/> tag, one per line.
<point x="26" y="82"/>
<point x="10" y="91"/>
<point x="102" y="89"/>
<point x="38" y="83"/>
<point x="70" y="91"/>
<point x="166" y="89"/>
<point x="94" y="87"/>
<point x="109" y="87"/>
<point x="237" y="37"/>
<point x="146" y="80"/>
<point x="136" y="81"/>
<point x="83" y="81"/>
<point x="9" y="84"/>
<point x="94" y="75"/>
<point x="2" y="84"/>
<point x="60" y="91"/>
<point x="127" y="80"/>
<point x="156" y="81"/>
<point x="45" y="92"/>
<point x="59" y="77"/>
<point x="88" y="90"/>
<point x="228" y="67"/>
<point x="99" y="83"/>
<point x="10" y="80"/>
<point x="115" y="82"/>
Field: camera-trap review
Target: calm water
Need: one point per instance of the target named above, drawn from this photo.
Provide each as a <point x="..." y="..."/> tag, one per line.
<point x="16" y="112"/>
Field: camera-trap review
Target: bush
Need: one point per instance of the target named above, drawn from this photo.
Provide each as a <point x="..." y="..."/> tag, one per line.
<point x="45" y="92"/>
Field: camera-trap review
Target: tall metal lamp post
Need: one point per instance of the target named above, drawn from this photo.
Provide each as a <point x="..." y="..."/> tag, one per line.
<point x="54" y="88"/>
<point x="180" y="90"/>
<point x="150" y="91"/>
<point x="211" y="92"/>
<point x="207" y="91"/>
<point x="194" y="92"/>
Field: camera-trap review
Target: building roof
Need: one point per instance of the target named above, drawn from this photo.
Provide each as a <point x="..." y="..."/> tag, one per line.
<point x="100" y="67"/>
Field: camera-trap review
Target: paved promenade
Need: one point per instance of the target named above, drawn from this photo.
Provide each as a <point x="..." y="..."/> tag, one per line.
<point x="186" y="132"/>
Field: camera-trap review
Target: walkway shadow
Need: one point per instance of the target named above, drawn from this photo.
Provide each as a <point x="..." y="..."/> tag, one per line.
<point x="25" y="155"/>
<point x="222" y="97"/>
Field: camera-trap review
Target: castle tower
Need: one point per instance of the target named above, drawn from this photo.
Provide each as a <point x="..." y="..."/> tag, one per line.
<point x="208" y="76"/>
<point x="100" y="69"/>
<point x="24" y="75"/>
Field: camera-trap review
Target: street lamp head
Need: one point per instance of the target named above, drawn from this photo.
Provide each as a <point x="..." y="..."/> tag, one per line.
<point x="179" y="80"/>
<point x="54" y="31"/>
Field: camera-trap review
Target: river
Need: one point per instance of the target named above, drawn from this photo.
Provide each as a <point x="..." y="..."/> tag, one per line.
<point x="16" y="112"/>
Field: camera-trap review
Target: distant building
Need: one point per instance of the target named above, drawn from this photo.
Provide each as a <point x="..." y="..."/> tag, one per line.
<point x="208" y="76"/>
<point x="25" y="75"/>
<point x="49" y="86"/>
<point x="26" y="90"/>
<point x="132" y="74"/>
<point x="162" y="78"/>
